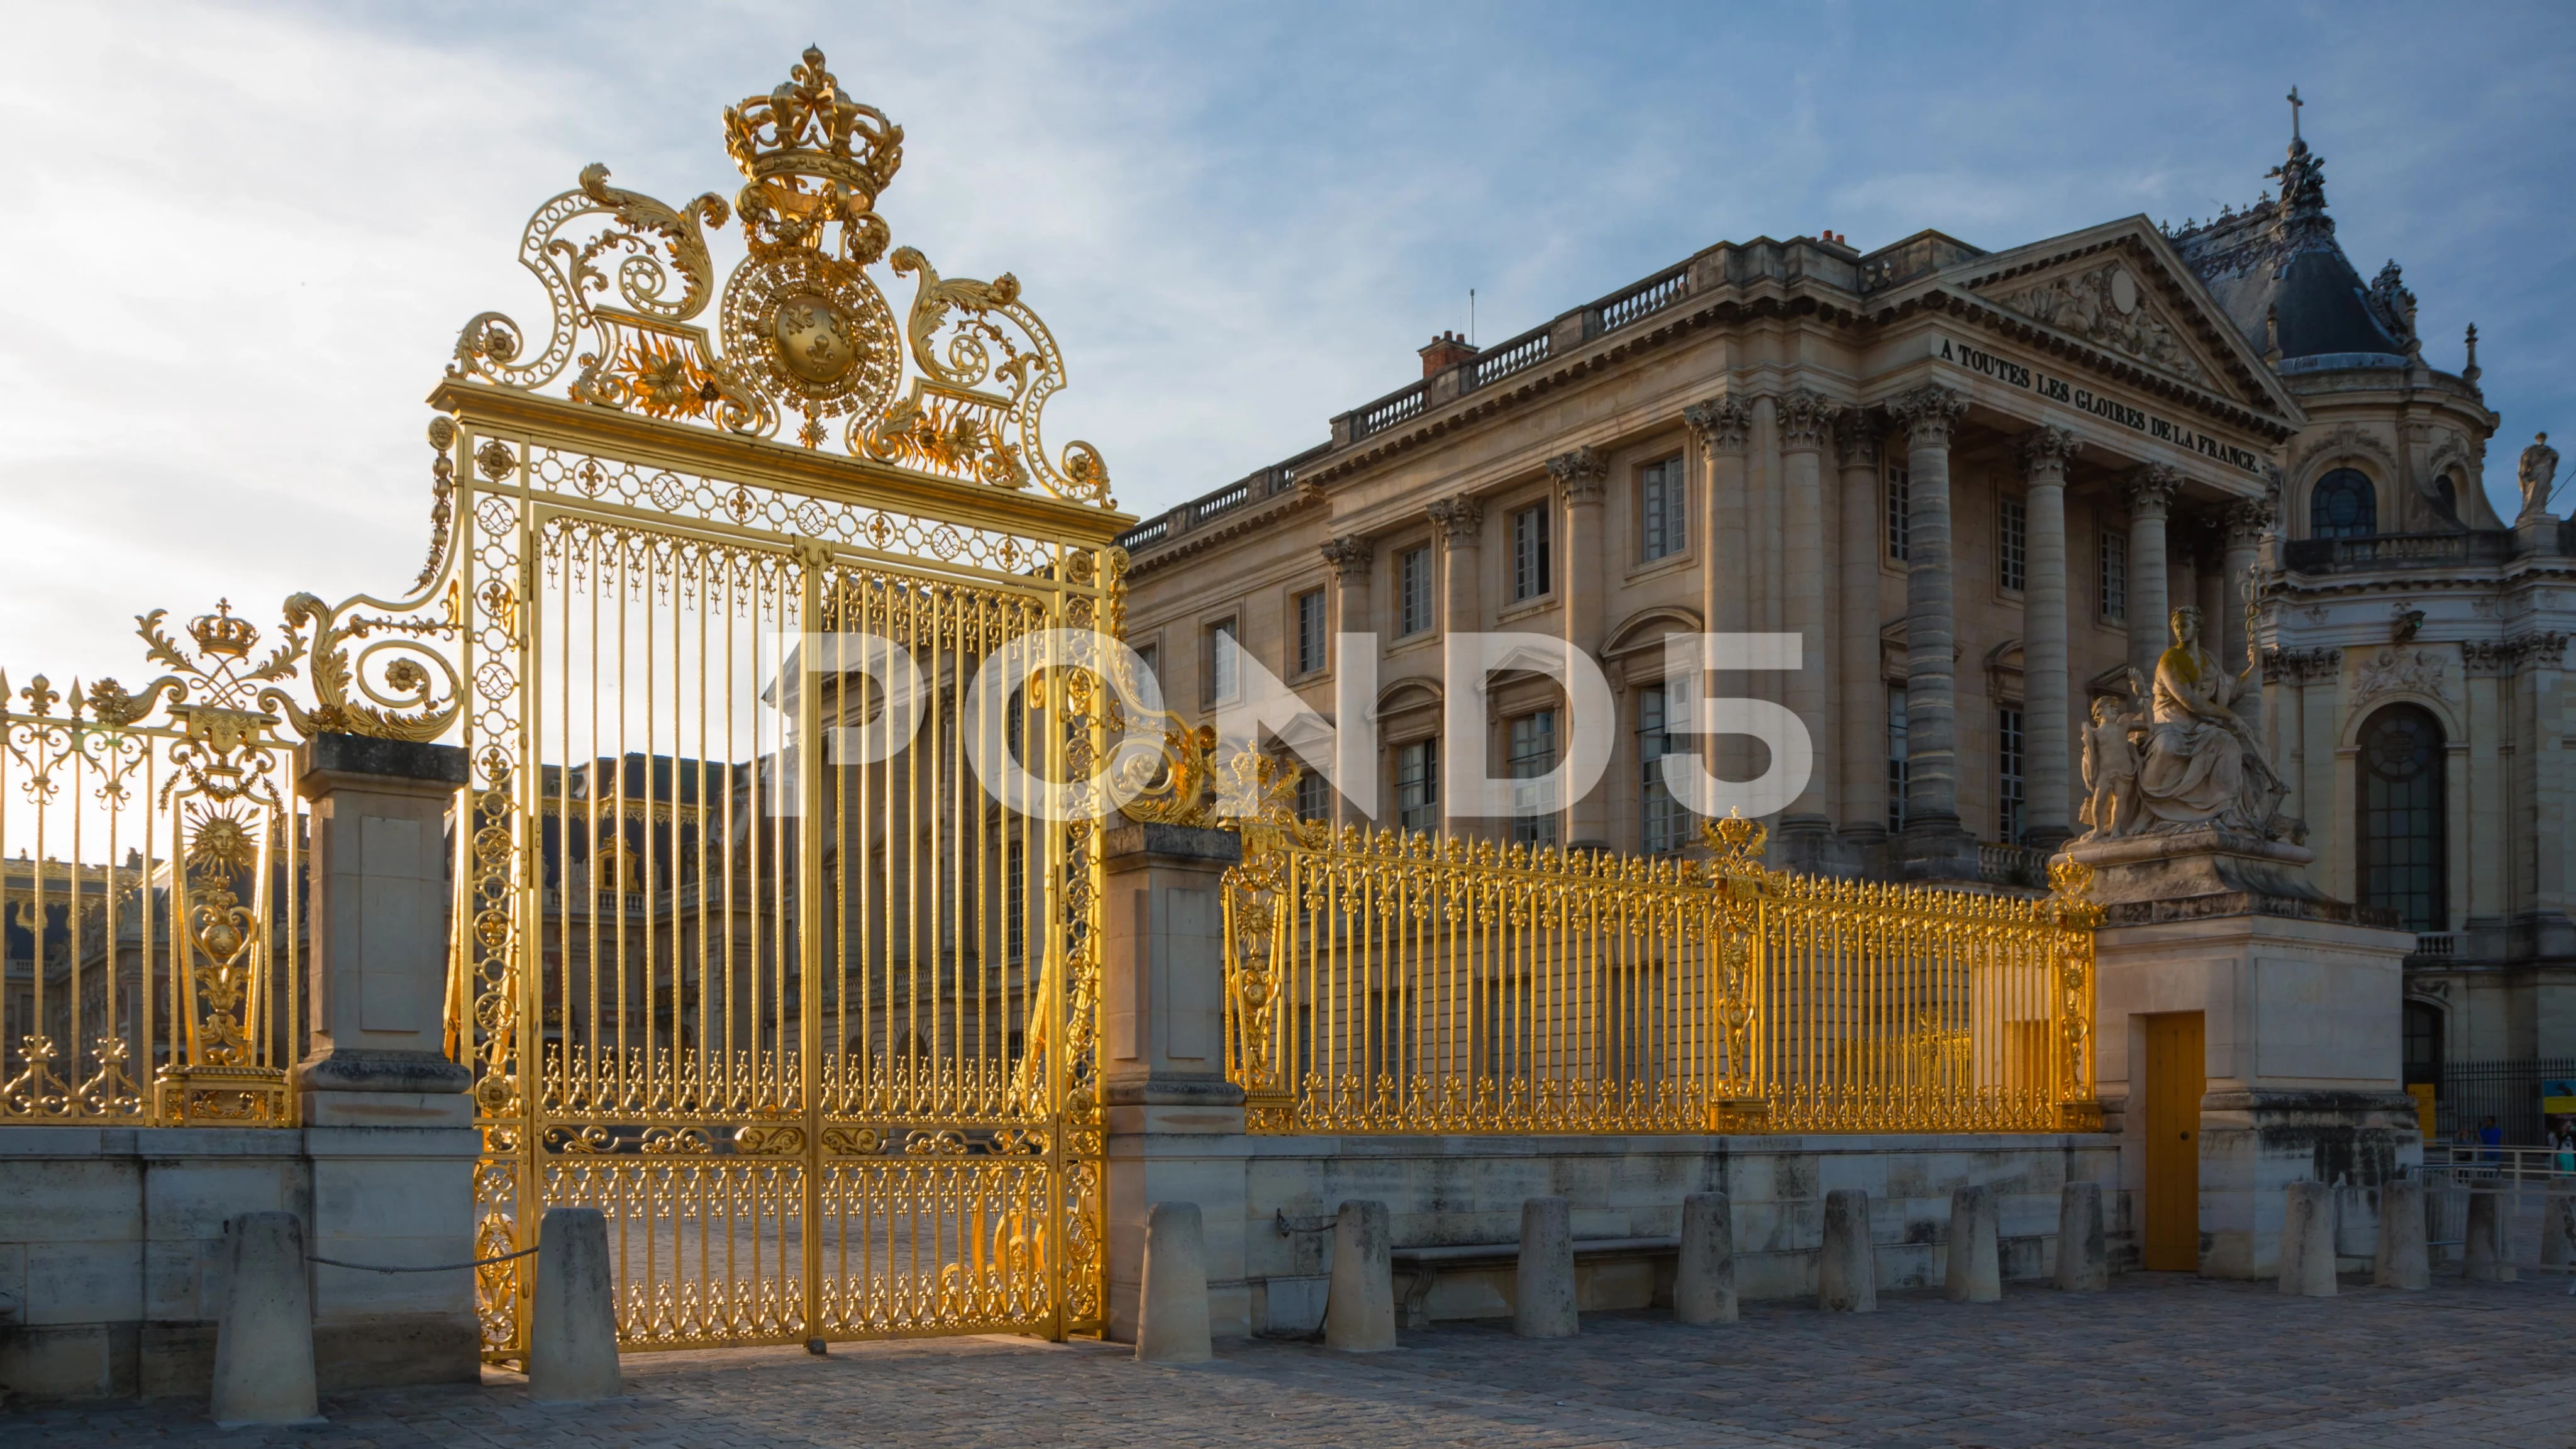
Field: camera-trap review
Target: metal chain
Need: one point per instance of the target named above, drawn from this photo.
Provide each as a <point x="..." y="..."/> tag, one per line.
<point x="432" y="1268"/>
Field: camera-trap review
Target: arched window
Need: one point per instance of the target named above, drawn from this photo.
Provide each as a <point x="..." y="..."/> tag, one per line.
<point x="2343" y="505"/>
<point x="2401" y="818"/>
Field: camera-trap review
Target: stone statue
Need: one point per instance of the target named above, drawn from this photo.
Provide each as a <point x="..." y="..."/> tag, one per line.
<point x="2110" y="772"/>
<point x="2537" y="472"/>
<point x="2203" y="765"/>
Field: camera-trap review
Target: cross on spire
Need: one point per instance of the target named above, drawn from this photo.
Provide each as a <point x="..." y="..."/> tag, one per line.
<point x="2295" y="103"/>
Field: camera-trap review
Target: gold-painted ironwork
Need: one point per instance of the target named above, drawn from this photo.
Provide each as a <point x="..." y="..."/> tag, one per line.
<point x="743" y="962"/>
<point x="1392" y="982"/>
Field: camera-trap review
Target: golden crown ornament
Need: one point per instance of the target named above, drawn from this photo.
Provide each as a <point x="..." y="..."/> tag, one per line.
<point x="804" y="343"/>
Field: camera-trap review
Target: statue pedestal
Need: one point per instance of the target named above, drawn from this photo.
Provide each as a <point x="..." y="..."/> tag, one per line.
<point x="2296" y="1000"/>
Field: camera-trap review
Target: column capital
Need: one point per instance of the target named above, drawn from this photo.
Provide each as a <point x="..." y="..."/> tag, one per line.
<point x="1723" y="423"/>
<point x="1805" y="416"/>
<point x="1856" y="433"/>
<point x="1461" y="519"/>
<point x="1350" y="557"/>
<point x="2045" y="452"/>
<point x="2247" y="520"/>
<point x="1580" y="475"/>
<point x="1929" y="414"/>
<point x="2150" y="489"/>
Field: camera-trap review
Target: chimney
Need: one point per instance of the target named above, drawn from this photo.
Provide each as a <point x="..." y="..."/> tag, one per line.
<point x="1445" y="352"/>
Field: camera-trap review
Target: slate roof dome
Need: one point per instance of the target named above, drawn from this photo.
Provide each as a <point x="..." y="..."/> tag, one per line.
<point x="2285" y="282"/>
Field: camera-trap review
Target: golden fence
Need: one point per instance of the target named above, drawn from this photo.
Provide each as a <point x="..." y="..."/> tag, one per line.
<point x="1393" y="982"/>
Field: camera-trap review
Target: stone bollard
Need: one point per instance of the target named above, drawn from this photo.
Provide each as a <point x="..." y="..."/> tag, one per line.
<point x="2083" y="1258"/>
<point x="2485" y="1250"/>
<point x="2308" y="1240"/>
<point x="1976" y="1272"/>
<point x="1543" y="1286"/>
<point x="1847" y="1268"/>
<point x="572" y="1326"/>
<point x="1704" y="1279"/>
<point x="1172" y="1302"/>
<point x="2403" y="1259"/>
<point x="264" y="1341"/>
<point x="2558" y="1229"/>
<point x="1359" y="1309"/>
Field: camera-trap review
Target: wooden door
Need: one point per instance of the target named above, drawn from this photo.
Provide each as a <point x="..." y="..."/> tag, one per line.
<point x="2173" y="1089"/>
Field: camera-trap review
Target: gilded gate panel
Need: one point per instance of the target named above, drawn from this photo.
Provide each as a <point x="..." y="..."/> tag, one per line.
<point x="748" y="958"/>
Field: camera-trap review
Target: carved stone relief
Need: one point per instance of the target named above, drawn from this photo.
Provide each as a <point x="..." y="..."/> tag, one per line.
<point x="2105" y="305"/>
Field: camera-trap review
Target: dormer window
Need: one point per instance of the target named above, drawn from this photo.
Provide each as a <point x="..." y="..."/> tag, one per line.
<point x="2343" y="505"/>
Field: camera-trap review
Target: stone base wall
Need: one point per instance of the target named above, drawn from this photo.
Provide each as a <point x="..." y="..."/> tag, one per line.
<point x="1451" y="1190"/>
<point x="113" y="1252"/>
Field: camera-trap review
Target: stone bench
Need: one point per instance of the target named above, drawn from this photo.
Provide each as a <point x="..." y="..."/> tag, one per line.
<point x="1419" y="1268"/>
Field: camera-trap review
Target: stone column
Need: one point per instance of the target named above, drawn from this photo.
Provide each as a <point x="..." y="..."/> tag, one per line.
<point x="1462" y="526"/>
<point x="1350" y="558"/>
<point x="388" y="1128"/>
<point x="1723" y="425"/>
<point x="2047" y="727"/>
<point x="2150" y="490"/>
<point x="1176" y="1125"/>
<point x="1935" y="844"/>
<point x="1804" y="416"/>
<point x="2246" y="523"/>
<point x="1861" y="711"/>
<point x="1581" y="476"/>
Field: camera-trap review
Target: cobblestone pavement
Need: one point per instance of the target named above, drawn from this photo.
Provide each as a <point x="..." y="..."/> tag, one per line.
<point x="2161" y="1359"/>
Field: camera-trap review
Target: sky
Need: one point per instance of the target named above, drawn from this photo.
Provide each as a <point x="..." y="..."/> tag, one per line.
<point x="242" y="237"/>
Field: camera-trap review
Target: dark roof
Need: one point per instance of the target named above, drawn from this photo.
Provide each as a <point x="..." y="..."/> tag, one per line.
<point x="2278" y="262"/>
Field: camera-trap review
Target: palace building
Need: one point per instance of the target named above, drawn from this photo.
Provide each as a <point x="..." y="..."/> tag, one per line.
<point x="1976" y="484"/>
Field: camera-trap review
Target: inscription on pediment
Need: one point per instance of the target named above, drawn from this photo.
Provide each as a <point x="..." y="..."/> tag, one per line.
<point x="2108" y="306"/>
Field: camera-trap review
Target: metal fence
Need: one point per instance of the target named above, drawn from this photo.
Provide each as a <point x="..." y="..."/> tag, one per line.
<point x="2509" y="1091"/>
<point x="1385" y="982"/>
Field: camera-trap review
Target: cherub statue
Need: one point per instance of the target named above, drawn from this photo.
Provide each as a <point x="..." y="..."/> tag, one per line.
<point x="2110" y="771"/>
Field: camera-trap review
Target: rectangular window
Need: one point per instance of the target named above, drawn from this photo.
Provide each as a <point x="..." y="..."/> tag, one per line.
<point x="1314" y="795"/>
<point x="1015" y="901"/>
<point x="1223" y="672"/>
<point x="1533" y="754"/>
<point x="1413" y="588"/>
<point x="1417" y="785"/>
<point x="1662" y="712"/>
<point x="2008" y="776"/>
<point x="1900" y="513"/>
<point x="1529" y="553"/>
<point x="1662" y="510"/>
<point x="1310" y="631"/>
<point x="2115" y="577"/>
<point x="1896" y="757"/>
<point x="2012" y="545"/>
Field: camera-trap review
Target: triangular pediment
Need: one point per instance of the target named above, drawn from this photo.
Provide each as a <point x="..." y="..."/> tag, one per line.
<point x="2121" y="288"/>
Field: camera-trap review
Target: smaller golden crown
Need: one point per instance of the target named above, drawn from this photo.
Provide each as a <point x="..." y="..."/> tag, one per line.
<point x="806" y="127"/>
<point x="221" y="633"/>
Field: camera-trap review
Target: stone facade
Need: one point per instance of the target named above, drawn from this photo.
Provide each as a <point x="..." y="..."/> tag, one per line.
<point x="1974" y="483"/>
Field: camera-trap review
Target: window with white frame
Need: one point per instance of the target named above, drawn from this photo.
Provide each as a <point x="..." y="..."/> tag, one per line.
<point x="1417" y="785"/>
<point x="1310" y="631"/>
<point x="1663" y="714"/>
<point x="1663" y="511"/>
<point x="2012" y="544"/>
<point x="2008" y="776"/>
<point x="1223" y="670"/>
<point x="1533" y="754"/>
<point x="1896" y="757"/>
<point x="1314" y="795"/>
<point x="1529" y="552"/>
<point x="1413" y="591"/>
<point x="1900" y="514"/>
<point x="2115" y="577"/>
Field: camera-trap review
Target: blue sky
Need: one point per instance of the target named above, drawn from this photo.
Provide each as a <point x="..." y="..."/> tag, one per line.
<point x="244" y="236"/>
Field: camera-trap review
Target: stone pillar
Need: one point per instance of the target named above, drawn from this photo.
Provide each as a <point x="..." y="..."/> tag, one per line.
<point x="2150" y="491"/>
<point x="2540" y="658"/>
<point x="1935" y="846"/>
<point x="2246" y="523"/>
<point x="1462" y="527"/>
<point x="2048" y="748"/>
<point x="1804" y="416"/>
<point x="1581" y="476"/>
<point x="1350" y="558"/>
<point x="1176" y="1130"/>
<point x="1860" y="710"/>
<point x="388" y="1129"/>
<point x="1724" y="425"/>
